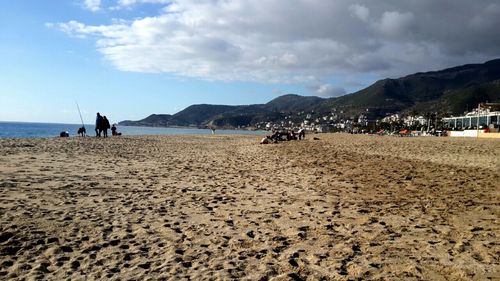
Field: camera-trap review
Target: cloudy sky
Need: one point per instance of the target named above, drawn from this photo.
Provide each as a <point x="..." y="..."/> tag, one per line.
<point x="131" y="58"/>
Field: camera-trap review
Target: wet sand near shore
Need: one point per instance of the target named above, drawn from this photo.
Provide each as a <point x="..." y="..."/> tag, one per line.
<point x="344" y="207"/>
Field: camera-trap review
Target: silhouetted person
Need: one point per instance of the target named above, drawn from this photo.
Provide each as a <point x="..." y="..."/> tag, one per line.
<point x="98" y="125"/>
<point x="82" y="131"/>
<point x="114" y="131"/>
<point x="302" y="133"/>
<point x="105" y="126"/>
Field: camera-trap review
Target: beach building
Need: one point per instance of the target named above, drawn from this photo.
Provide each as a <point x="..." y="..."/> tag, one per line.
<point x="485" y="116"/>
<point x="482" y="122"/>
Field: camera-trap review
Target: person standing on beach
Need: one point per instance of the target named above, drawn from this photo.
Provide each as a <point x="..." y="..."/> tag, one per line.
<point x="98" y="125"/>
<point x="302" y="134"/>
<point x="105" y="126"/>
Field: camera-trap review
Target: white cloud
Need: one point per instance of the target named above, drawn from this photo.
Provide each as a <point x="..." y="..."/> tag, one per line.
<point x="130" y="3"/>
<point x="327" y="90"/>
<point x="304" y="41"/>
<point x="92" y="5"/>
<point x="395" y="23"/>
<point x="360" y="11"/>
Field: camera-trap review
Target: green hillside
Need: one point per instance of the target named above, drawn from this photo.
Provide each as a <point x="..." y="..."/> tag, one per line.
<point x="448" y="91"/>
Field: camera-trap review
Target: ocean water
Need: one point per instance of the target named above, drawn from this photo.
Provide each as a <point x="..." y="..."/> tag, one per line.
<point x="47" y="130"/>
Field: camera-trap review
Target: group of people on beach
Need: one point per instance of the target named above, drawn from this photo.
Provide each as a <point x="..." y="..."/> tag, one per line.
<point x="288" y="135"/>
<point x="102" y="126"/>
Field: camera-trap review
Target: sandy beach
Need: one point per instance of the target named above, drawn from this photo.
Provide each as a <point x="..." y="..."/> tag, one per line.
<point x="344" y="207"/>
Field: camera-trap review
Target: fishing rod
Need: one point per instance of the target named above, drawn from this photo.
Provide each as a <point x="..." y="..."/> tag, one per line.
<point x="79" y="112"/>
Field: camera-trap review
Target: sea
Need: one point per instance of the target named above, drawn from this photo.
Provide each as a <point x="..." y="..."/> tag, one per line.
<point x="47" y="130"/>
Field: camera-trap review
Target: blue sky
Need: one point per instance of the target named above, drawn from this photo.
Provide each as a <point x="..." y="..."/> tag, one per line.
<point x="131" y="58"/>
<point x="44" y="71"/>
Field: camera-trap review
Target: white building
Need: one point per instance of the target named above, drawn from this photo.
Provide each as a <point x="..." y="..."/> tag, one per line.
<point x="363" y="120"/>
<point x="414" y="120"/>
<point x="483" y="116"/>
<point x="391" y="119"/>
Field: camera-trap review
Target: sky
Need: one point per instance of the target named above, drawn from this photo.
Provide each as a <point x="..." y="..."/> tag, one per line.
<point x="131" y="58"/>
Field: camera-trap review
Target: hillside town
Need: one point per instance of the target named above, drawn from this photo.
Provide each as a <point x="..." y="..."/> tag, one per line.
<point x="485" y="117"/>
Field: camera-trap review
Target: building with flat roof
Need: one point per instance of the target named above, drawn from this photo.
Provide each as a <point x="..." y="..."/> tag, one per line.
<point x="486" y="115"/>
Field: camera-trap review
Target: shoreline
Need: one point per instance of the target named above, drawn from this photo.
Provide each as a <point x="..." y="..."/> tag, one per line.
<point x="41" y="130"/>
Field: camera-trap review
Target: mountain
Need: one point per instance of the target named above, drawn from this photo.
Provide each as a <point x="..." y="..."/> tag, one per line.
<point x="153" y="120"/>
<point x="196" y="115"/>
<point x="449" y="91"/>
<point x="459" y="100"/>
<point x="205" y="115"/>
<point x="292" y="103"/>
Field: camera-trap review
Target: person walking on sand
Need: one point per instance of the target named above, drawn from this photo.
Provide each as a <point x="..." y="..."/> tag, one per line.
<point x="105" y="126"/>
<point x="98" y="125"/>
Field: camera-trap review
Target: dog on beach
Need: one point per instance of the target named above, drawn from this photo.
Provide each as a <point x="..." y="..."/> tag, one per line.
<point x="82" y="132"/>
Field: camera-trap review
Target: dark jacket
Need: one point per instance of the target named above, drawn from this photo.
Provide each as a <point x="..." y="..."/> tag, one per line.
<point x="99" y="122"/>
<point x="105" y="123"/>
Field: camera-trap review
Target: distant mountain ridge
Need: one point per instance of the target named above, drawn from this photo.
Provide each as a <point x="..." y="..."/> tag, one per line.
<point x="421" y="90"/>
<point x="448" y="91"/>
<point x="203" y="115"/>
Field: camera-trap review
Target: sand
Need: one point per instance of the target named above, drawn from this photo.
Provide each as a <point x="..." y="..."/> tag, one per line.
<point x="344" y="207"/>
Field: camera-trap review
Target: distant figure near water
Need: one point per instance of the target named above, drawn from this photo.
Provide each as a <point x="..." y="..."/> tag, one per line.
<point x="114" y="131"/>
<point x="98" y="125"/>
<point x="102" y="126"/>
<point x="105" y="126"/>
<point x="82" y="131"/>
